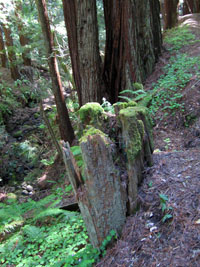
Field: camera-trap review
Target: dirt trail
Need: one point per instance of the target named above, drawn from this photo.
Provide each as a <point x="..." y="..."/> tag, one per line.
<point x="147" y="240"/>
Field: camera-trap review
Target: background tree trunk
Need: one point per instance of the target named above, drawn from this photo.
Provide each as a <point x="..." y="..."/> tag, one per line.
<point x="156" y="27"/>
<point x="191" y="6"/>
<point x="24" y="41"/>
<point x="2" y="50"/>
<point x="11" y="54"/>
<point x="69" y="9"/>
<point x="82" y="28"/>
<point x="170" y="14"/>
<point x="133" y="43"/>
<point x="66" y="130"/>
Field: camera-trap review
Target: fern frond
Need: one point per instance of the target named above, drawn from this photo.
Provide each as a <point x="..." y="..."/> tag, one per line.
<point x="137" y="92"/>
<point x="32" y="231"/>
<point x="139" y="97"/>
<point x="128" y="99"/>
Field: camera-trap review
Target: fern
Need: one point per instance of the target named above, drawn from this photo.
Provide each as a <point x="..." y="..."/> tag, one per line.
<point x="32" y="232"/>
<point x="128" y="99"/>
<point x="137" y="92"/>
<point x="136" y="95"/>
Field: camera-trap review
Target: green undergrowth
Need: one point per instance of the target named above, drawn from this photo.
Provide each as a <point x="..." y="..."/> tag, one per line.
<point x="40" y="234"/>
<point x="167" y="93"/>
<point x="169" y="87"/>
<point x="13" y="96"/>
<point x="178" y="37"/>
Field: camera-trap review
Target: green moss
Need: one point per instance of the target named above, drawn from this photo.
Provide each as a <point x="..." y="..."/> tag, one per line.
<point x="135" y="121"/>
<point x="132" y="104"/>
<point x="89" y="132"/>
<point x="17" y="134"/>
<point x="122" y="105"/>
<point x="138" y="86"/>
<point x="141" y="127"/>
<point x="12" y="196"/>
<point x="131" y="132"/>
<point x="90" y="112"/>
<point x="36" y="115"/>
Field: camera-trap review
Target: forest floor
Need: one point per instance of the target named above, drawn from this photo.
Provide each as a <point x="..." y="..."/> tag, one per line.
<point x="148" y="238"/>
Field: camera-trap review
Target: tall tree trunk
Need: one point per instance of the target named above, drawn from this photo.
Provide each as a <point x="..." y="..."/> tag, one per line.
<point x="170" y="14"/>
<point x="114" y="51"/>
<point x="133" y="42"/>
<point x="82" y="28"/>
<point x="11" y="54"/>
<point x="191" y="6"/>
<point x="156" y="27"/>
<point x="69" y="10"/>
<point x="24" y="41"/>
<point x="66" y="130"/>
<point x="2" y="50"/>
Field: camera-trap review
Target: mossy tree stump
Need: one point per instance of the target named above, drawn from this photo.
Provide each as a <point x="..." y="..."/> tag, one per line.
<point x="98" y="190"/>
<point x="104" y="196"/>
<point x="138" y="145"/>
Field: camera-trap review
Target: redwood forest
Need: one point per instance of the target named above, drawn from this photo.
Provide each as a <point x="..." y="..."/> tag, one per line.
<point x="100" y="133"/>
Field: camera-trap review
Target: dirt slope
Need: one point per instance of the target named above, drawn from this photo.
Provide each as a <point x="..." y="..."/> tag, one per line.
<point x="147" y="240"/>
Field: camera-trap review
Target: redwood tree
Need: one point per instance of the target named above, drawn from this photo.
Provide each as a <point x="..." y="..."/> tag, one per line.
<point x="6" y="25"/>
<point x="133" y="42"/>
<point x="66" y="130"/>
<point x="23" y="39"/>
<point x="82" y="29"/>
<point x="11" y="54"/>
<point x="170" y="13"/>
<point x="191" y="6"/>
<point x="2" y="50"/>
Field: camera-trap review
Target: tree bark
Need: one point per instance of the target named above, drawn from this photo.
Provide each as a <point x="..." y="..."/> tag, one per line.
<point x="170" y="14"/>
<point x="156" y="27"/>
<point x="100" y="196"/>
<point x="82" y="28"/>
<point x="2" y="50"/>
<point x="66" y="130"/>
<point x="191" y="6"/>
<point x="11" y="54"/>
<point x="133" y="43"/>
<point x="24" y="41"/>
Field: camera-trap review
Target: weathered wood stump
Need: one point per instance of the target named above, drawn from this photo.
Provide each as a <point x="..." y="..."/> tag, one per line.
<point x="98" y="190"/>
<point x="104" y="196"/>
<point x="138" y="145"/>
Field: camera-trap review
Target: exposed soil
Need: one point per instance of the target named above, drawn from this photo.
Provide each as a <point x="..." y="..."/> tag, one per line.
<point x="146" y="240"/>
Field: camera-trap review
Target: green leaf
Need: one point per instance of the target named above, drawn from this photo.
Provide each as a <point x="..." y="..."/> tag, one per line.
<point x="163" y="197"/>
<point x="76" y="150"/>
<point x="166" y="217"/>
<point x="163" y="207"/>
<point x="128" y="99"/>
